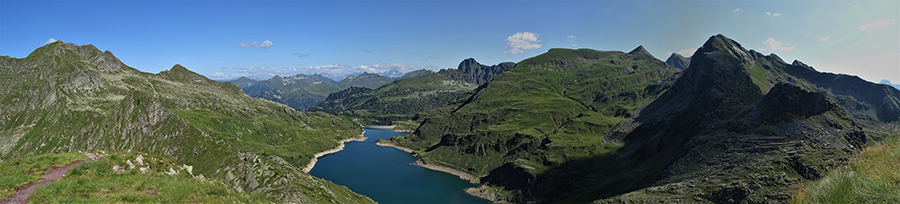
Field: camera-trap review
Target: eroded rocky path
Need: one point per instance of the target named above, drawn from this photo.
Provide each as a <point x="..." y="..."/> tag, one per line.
<point x="53" y="174"/>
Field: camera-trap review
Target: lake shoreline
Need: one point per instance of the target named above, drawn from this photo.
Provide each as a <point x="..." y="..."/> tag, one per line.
<point x="419" y="162"/>
<point x="312" y="162"/>
<point x="480" y="192"/>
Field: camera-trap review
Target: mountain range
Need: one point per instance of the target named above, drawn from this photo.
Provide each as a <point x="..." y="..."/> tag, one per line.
<point x="736" y="126"/>
<point x="726" y="125"/>
<point x="68" y="98"/>
<point x="305" y="91"/>
<point x="413" y="97"/>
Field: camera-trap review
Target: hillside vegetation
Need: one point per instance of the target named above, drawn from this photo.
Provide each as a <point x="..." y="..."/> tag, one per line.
<point x="550" y="109"/>
<point x="416" y="96"/>
<point x="151" y="179"/>
<point x="67" y="98"/>
<point x="578" y="126"/>
<point x="870" y="177"/>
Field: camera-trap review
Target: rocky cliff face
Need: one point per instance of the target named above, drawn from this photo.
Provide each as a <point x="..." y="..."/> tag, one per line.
<point x="474" y="72"/>
<point x="64" y="97"/>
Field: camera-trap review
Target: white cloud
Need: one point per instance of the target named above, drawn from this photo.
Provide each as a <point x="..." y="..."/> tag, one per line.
<point x="668" y="53"/>
<point x="769" y="13"/>
<point x="264" y="44"/>
<point x="762" y="49"/>
<point x="877" y="25"/>
<point x="823" y="39"/>
<point x="301" y="55"/>
<point x="365" y="50"/>
<point x="776" y="45"/>
<point x="51" y="40"/>
<point x="872" y="68"/>
<point x="519" y="42"/>
<point x="855" y="6"/>
<point x="570" y="36"/>
<point x="218" y="74"/>
<point x="574" y="45"/>
<point x="737" y="10"/>
<point x="687" y="52"/>
<point x="432" y="56"/>
<point x="776" y="14"/>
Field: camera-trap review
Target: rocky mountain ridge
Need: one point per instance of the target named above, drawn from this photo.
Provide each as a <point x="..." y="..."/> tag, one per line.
<point x="736" y="126"/>
<point x="68" y="98"/>
<point x="412" y="98"/>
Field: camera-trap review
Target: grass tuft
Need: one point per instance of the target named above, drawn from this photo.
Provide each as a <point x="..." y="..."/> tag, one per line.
<point x="872" y="177"/>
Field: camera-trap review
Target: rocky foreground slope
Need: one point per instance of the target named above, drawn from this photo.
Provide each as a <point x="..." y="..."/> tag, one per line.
<point x="736" y="126"/>
<point x="66" y="98"/>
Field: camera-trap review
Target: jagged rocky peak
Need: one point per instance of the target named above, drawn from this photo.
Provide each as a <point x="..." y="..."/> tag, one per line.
<point x="801" y="64"/>
<point x="727" y="47"/>
<point x="678" y="61"/>
<point x="468" y="65"/>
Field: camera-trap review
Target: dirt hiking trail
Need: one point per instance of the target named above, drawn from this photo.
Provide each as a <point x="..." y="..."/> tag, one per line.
<point x="53" y="174"/>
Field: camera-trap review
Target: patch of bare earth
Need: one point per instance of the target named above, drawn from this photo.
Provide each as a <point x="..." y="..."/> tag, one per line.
<point x="53" y="174"/>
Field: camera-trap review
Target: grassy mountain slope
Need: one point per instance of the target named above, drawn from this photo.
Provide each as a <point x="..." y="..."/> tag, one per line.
<point x="414" y="98"/>
<point x="737" y="126"/>
<point x="64" y="97"/>
<point x="547" y="110"/>
<point x="870" y="177"/>
<point x="102" y="182"/>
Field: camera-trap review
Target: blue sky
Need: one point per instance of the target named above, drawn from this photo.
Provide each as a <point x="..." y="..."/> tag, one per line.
<point x="226" y="39"/>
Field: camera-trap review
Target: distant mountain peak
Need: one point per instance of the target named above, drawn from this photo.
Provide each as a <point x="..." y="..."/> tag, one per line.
<point x="393" y="73"/>
<point x="801" y="64"/>
<point x="180" y="72"/>
<point x="638" y="50"/>
<point x="105" y="61"/>
<point x="728" y="47"/>
<point x="178" y="67"/>
<point x="467" y="63"/>
<point x="678" y="61"/>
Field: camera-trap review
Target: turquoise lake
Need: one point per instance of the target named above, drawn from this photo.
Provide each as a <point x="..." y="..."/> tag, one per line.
<point x="387" y="175"/>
